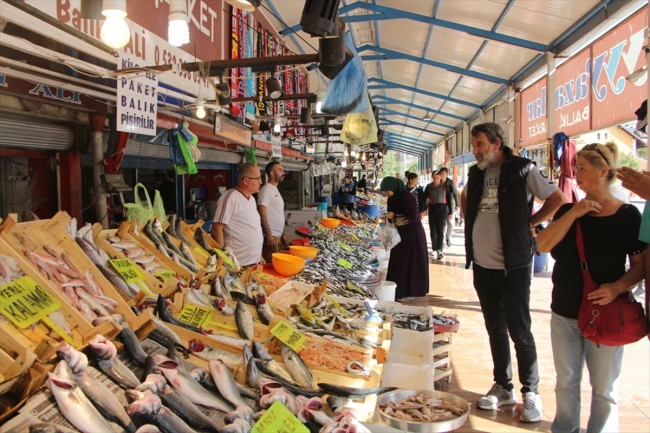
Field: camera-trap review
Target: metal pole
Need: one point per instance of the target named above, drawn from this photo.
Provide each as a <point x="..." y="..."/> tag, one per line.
<point x="550" y="111"/>
<point x="97" y="126"/>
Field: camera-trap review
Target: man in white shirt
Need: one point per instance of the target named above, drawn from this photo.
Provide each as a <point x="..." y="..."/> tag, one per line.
<point x="271" y="208"/>
<point x="236" y="222"/>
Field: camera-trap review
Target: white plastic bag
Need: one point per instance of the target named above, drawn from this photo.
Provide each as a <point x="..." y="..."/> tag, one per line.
<point x="389" y="235"/>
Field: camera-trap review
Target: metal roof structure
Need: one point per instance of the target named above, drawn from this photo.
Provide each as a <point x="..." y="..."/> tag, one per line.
<point x="433" y="64"/>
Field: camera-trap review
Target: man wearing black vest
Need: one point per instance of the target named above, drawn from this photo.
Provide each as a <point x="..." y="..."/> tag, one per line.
<point x="499" y="241"/>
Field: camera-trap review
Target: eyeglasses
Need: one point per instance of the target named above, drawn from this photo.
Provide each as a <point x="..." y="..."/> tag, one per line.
<point x="255" y="178"/>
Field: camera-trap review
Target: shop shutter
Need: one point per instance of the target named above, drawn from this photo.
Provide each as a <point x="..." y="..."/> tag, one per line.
<point x="34" y="133"/>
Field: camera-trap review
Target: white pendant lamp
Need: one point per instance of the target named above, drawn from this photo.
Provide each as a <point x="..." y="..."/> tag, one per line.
<point x="178" y="31"/>
<point x="115" y="33"/>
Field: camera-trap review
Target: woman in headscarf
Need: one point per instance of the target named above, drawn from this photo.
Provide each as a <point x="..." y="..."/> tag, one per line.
<point x="409" y="264"/>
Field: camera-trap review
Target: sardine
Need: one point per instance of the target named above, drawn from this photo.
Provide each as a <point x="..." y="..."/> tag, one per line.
<point x="149" y="407"/>
<point x="232" y="360"/>
<point x="186" y="385"/>
<point x="76" y="407"/>
<point x="223" y="307"/>
<point x="244" y="321"/>
<point x="104" y="352"/>
<point x="167" y="316"/>
<point x="100" y="396"/>
<point x="263" y="309"/>
<point x="345" y="391"/>
<point x="132" y="346"/>
<point x="296" y="367"/>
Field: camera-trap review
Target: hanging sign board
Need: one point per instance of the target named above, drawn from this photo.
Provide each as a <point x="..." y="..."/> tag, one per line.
<point x="137" y="98"/>
<point x="276" y="143"/>
<point x="231" y="131"/>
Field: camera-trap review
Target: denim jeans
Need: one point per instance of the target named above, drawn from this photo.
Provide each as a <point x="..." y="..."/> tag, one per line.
<point x="450" y="229"/>
<point x="570" y="351"/>
<point x="505" y="300"/>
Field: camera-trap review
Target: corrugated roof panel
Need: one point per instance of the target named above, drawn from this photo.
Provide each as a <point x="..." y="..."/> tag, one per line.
<point x="449" y="46"/>
<point x="403" y="36"/>
<point x="475" y="90"/>
<point x="502" y="59"/>
<point x="479" y="14"/>
<point x="415" y="6"/>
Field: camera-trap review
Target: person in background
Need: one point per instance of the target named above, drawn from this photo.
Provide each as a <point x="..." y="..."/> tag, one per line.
<point x="363" y="184"/>
<point x="417" y="191"/>
<point x="406" y="177"/>
<point x="236" y="221"/>
<point x="408" y="266"/>
<point x="347" y="191"/>
<point x="610" y="231"/>
<point x="499" y="193"/>
<point x="452" y="194"/>
<point x="354" y="180"/>
<point x="270" y="206"/>
<point x="439" y="210"/>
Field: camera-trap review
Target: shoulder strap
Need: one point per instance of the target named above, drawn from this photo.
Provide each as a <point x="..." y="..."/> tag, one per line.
<point x="581" y="245"/>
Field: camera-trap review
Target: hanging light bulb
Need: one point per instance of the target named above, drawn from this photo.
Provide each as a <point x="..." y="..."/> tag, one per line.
<point x="353" y="153"/>
<point x="319" y="105"/>
<point x="115" y="33"/>
<point x="178" y="32"/>
<point x="277" y="125"/>
<point x="363" y="157"/>
<point x="200" y="107"/>
<point x="345" y="152"/>
<point x="344" y="163"/>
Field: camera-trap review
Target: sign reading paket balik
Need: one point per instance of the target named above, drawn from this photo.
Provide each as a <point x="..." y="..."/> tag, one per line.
<point x="137" y="98"/>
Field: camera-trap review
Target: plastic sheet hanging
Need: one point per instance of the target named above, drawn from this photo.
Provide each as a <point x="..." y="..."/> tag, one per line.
<point x="183" y="150"/>
<point x="346" y="92"/>
<point x="360" y="128"/>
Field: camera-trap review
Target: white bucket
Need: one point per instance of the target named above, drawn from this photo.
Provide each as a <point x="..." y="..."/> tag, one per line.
<point x="383" y="268"/>
<point x="380" y="252"/>
<point x="382" y="274"/>
<point x="386" y="293"/>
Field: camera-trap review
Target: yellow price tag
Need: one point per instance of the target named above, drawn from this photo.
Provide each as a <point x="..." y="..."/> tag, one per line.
<point x="24" y="302"/>
<point x="127" y="270"/>
<point x="320" y="227"/>
<point x="344" y="246"/>
<point x="165" y="275"/>
<point x="195" y="315"/>
<point x="337" y="305"/>
<point x="226" y="259"/>
<point x="202" y="252"/>
<point x="288" y="335"/>
<point x="262" y="275"/>
<point x="355" y="237"/>
<point x="344" y="263"/>
<point x="279" y="419"/>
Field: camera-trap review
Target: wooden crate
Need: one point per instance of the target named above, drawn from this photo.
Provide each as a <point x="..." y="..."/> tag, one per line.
<point x="167" y="288"/>
<point x="34" y="235"/>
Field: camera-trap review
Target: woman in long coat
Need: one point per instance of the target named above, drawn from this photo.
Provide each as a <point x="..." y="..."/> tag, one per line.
<point x="409" y="264"/>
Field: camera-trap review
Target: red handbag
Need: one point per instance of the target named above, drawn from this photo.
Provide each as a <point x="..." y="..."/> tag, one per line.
<point x="620" y="322"/>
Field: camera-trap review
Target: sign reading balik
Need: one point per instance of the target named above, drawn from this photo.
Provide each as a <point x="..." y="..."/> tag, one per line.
<point x="137" y="99"/>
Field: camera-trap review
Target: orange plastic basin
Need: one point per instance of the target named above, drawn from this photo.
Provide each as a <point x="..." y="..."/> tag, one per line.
<point x="287" y="265"/>
<point x="331" y="223"/>
<point x="304" y="252"/>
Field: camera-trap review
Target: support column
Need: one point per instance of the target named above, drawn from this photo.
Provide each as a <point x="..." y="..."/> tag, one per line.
<point x="514" y="121"/>
<point x="70" y="184"/>
<point x="97" y="127"/>
<point x="550" y="111"/>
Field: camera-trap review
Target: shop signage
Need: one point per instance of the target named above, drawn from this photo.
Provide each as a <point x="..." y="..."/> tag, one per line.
<point x="591" y="88"/>
<point x="137" y="99"/>
<point x="276" y="143"/>
<point x="231" y="131"/>
<point x="24" y="302"/>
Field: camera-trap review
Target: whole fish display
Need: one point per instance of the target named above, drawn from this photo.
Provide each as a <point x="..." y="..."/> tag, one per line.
<point x="167" y="316"/>
<point x="296" y="367"/>
<point x="132" y="346"/>
<point x="179" y="231"/>
<point x="149" y="408"/>
<point x="264" y="311"/>
<point x="104" y="352"/>
<point x="346" y="391"/>
<point x="199" y="349"/>
<point x="226" y="384"/>
<point x="227" y="339"/>
<point x="198" y="237"/>
<point x="76" y="407"/>
<point x="166" y="337"/>
<point x="205" y="379"/>
<point x="244" y="321"/>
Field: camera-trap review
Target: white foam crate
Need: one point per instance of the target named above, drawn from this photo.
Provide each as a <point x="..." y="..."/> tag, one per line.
<point x="411" y="347"/>
<point x="408" y="376"/>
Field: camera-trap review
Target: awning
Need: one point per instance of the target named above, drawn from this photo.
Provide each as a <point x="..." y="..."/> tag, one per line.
<point x="463" y="159"/>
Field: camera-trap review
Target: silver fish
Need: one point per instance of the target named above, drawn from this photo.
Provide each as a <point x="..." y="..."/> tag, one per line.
<point x="163" y="250"/>
<point x="232" y="360"/>
<point x="226" y="384"/>
<point x="71" y="228"/>
<point x="76" y="407"/>
<point x="182" y="382"/>
<point x="132" y="346"/>
<point x="228" y="340"/>
<point x="188" y="254"/>
<point x="179" y="231"/>
<point x="124" y="245"/>
<point x="170" y="243"/>
<point x="211" y="264"/>
<point x="171" y="228"/>
<point x="218" y="289"/>
<point x="296" y="367"/>
<point x="198" y="297"/>
<point x="149" y="407"/>
<point x="104" y="352"/>
<point x="264" y="311"/>
<point x="244" y="321"/>
<point x="77" y="360"/>
<point x="337" y="403"/>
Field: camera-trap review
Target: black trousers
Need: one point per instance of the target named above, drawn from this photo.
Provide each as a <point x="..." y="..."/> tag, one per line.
<point x="505" y="301"/>
<point x="437" y="224"/>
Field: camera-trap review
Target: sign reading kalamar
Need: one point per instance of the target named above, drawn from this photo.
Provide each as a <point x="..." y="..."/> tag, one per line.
<point x="137" y="98"/>
<point x="591" y="90"/>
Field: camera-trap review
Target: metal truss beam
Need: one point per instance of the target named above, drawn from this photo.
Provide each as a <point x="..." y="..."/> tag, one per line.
<point x="393" y="123"/>
<point x="419" y="119"/>
<point x="409" y="139"/>
<point x="384" y="84"/>
<point x="391" y="101"/>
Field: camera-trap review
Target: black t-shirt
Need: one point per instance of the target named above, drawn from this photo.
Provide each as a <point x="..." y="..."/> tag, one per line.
<point x="608" y="241"/>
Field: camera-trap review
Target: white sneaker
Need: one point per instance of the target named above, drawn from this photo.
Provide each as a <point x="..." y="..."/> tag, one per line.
<point x="497" y="396"/>
<point x="532" y="410"/>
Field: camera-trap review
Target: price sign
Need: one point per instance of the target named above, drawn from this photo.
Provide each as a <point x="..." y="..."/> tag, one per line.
<point x="202" y="252"/>
<point x="344" y="263"/>
<point x="127" y="270"/>
<point x="278" y="419"/>
<point x="320" y="227"/>
<point x="195" y="315"/>
<point x="345" y="247"/>
<point x="165" y="275"/>
<point x="225" y="258"/>
<point x="24" y="302"/>
<point x="337" y="306"/>
<point x="354" y="237"/>
<point x="262" y="275"/>
<point x="289" y="336"/>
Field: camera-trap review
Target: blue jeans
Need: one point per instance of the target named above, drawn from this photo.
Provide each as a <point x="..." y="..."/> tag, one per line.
<point x="570" y="351"/>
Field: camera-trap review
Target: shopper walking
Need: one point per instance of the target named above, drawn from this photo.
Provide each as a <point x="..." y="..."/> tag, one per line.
<point x="418" y="193"/>
<point x="408" y="266"/>
<point x="236" y="222"/>
<point x="499" y="194"/>
<point x="363" y="184"/>
<point x="452" y="194"/>
<point x="610" y="230"/>
<point x="439" y="208"/>
<point x="347" y="191"/>
<point x="270" y="206"/>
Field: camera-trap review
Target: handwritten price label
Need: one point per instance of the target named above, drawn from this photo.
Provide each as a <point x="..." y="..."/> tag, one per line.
<point x="289" y="336"/>
<point x="225" y="258"/>
<point x="166" y="275"/>
<point x="320" y="227"/>
<point x="344" y="263"/>
<point x="344" y="246"/>
<point x="195" y="315"/>
<point x="278" y="419"/>
<point x="202" y="252"/>
<point x="24" y="302"/>
<point x="127" y="270"/>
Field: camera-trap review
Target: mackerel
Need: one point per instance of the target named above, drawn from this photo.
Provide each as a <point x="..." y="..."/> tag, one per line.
<point x="244" y="321"/>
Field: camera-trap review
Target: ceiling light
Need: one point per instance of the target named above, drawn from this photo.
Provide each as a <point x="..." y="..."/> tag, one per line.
<point x="318" y="17"/>
<point x="426" y="116"/>
<point x="200" y="107"/>
<point x="344" y="164"/>
<point x="363" y="157"/>
<point x="345" y="152"/>
<point x="178" y="31"/>
<point x="274" y="88"/>
<point x="636" y="75"/>
<point x="245" y="5"/>
<point x="115" y="33"/>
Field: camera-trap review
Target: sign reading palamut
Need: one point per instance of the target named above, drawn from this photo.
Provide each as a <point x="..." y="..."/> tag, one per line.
<point x="231" y="131"/>
<point x="137" y="98"/>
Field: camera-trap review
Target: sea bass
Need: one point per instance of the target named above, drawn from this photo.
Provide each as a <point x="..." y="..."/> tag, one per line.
<point x="232" y="360"/>
<point x="104" y="352"/>
<point x="150" y="408"/>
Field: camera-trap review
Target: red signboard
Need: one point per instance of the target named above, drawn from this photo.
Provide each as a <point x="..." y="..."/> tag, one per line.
<point x="616" y="56"/>
<point x="533" y="114"/>
<point x="572" y="95"/>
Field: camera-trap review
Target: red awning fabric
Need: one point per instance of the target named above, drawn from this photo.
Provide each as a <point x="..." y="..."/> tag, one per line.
<point x="112" y="163"/>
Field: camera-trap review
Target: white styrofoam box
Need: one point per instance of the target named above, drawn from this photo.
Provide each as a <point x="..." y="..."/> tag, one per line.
<point x="408" y="376"/>
<point x="411" y="347"/>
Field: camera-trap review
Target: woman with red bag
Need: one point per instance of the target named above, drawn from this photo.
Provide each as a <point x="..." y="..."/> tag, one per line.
<point x="610" y="231"/>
